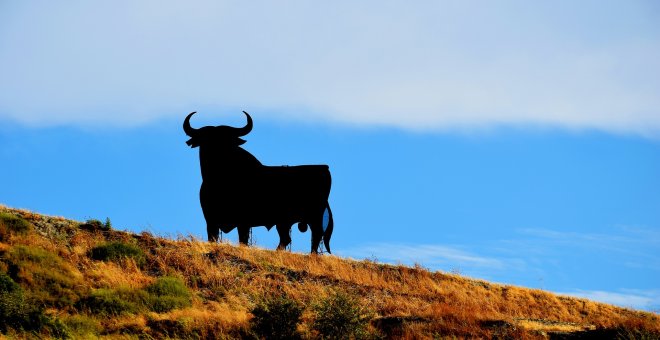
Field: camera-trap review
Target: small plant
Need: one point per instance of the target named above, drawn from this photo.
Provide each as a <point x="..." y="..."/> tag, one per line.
<point x="341" y="316"/>
<point x="116" y="251"/>
<point x="276" y="318"/>
<point x="94" y="224"/>
<point x="168" y="293"/>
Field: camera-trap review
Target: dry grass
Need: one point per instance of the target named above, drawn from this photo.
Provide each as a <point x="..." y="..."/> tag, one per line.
<point x="228" y="281"/>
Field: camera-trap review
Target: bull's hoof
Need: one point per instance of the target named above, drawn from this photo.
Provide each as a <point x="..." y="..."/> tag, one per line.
<point x="282" y="246"/>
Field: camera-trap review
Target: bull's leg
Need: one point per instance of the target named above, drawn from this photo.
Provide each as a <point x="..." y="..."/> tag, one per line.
<point x="243" y="235"/>
<point x="317" y="234"/>
<point x="213" y="233"/>
<point x="283" y="230"/>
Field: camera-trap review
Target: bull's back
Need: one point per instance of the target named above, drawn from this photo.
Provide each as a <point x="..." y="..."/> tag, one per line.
<point x="300" y="192"/>
<point x="271" y="194"/>
<point x="314" y="180"/>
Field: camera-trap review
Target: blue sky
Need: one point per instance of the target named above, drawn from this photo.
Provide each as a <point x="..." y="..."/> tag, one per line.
<point x="515" y="142"/>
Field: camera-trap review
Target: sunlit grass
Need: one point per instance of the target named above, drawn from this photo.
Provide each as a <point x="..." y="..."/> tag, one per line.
<point x="143" y="285"/>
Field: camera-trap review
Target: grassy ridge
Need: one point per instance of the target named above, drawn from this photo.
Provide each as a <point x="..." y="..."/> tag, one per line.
<point x="62" y="278"/>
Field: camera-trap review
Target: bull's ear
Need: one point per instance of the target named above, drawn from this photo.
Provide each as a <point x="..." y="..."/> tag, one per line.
<point x="192" y="142"/>
<point x="240" y="141"/>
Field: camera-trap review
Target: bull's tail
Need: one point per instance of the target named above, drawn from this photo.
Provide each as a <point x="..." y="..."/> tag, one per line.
<point x="327" y="232"/>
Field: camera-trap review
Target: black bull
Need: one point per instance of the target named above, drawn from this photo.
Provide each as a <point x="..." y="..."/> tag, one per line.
<point x="239" y="192"/>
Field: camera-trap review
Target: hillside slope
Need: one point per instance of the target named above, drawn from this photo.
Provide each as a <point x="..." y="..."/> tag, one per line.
<point x="62" y="278"/>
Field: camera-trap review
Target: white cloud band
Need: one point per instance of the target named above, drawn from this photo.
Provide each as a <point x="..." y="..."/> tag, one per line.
<point x="424" y="65"/>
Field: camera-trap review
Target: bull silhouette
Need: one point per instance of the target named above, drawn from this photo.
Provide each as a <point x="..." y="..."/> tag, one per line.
<point x="239" y="192"/>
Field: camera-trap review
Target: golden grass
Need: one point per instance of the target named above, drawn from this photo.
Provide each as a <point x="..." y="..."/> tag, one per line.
<point x="114" y="275"/>
<point x="544" y="326"/>
<point x="228" y="281"/>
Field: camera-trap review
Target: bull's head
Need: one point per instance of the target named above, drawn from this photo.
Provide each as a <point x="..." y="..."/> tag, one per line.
<point x="217" y="135"/>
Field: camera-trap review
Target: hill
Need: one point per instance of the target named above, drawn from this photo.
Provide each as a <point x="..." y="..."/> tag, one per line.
<point x="69" y="279"/>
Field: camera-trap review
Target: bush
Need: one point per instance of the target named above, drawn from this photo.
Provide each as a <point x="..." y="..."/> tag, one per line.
<point x="114" y="301"/>
<point x="165" y="294"/>
<point x="7" y="285"/>
<point x="340" y="316"/>
<point x="168" y="293"/>
<point x="13" y="224"/>
<point x="48" y="278"/>
<point x="82" y="326"/>
<point x="276" y="318"/>
<point x="57" y="329"/>
<point x="116" y="251"/>
<point x="15" y="311"/>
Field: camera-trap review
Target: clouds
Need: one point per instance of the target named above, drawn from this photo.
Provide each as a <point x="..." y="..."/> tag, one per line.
<point x="427" y="65"/>
<point x="616" y="265"/>
<point x="430" y="254"/>
<point x="485" y="264"/>
<point x="638" y="299"/>
<point x="631" y="247"/>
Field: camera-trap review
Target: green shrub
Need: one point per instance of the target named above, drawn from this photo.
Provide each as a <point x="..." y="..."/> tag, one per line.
<point x="116" y="251"/>
<point x="57" y="329"/>
<point x="165" y="294"/>
<point x="114" y="301"/>
<point x="276" y="318"/>
<point x="15" y="311"/>
<point x="82" y="326"/>
<point x="13" y="224"/>
<point x="341" y="316"/>
<point x="46" y="276"/>
<point x="7" y="285"/>
<point x="168" y="293"/>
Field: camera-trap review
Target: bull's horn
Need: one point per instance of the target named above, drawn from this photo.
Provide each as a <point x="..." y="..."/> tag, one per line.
<point x="247" y="128"/>
<point x="186" y="126"/>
